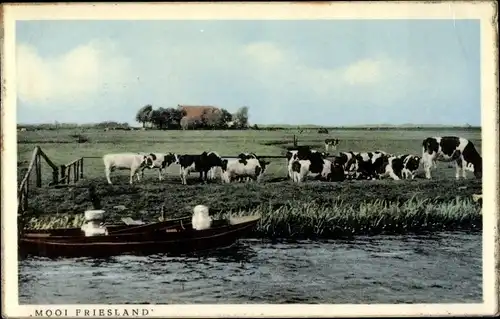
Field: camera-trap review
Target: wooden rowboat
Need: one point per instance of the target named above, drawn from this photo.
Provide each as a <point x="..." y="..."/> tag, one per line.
<point x="63" y="233"/>
<point x="174" y="239"/>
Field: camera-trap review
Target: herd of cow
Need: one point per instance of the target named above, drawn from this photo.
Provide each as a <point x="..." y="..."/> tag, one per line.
<point x="304" y="161"/>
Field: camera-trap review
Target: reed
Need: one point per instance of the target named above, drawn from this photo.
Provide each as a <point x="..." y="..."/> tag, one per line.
<point x="340" y="219"/>
<point x="299" y="220"/>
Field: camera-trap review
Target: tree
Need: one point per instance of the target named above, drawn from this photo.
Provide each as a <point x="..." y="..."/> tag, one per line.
<point x="143" y="114"/>
<point x="226" y="117"/>
<point x="241" y="117"/>
<point x="212" y="118"/>
<point x="191" y="122"/>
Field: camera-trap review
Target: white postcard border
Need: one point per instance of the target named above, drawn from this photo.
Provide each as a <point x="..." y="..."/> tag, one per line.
<point x="484" y="11"/>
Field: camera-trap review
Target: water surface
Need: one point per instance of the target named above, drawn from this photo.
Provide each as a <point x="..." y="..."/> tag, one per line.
<point x="443" y="268"/>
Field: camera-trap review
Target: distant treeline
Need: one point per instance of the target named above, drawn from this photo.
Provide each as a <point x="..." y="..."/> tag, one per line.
<point x="110" y="125"/>
<point x="192" y="117"/>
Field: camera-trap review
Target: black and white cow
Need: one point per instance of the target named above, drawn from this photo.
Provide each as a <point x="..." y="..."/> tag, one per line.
<point x="160" y="161"/>
<point x="370" y="165"/>
<point x="331" y="142"/>
<point x="301" y="153"/>
<point x="198" y="163"/>
<point x="400" y="166"/>
<point x="448" y="149"/>
<point x="240" y="169"/>
<point x="310" y="163"/>
<point x="214" y="171"/>
<point x="126" y="161"/>
<point x="411" y="164"/>
<point x="347" y="161"/>
<point x="337" y="173"/>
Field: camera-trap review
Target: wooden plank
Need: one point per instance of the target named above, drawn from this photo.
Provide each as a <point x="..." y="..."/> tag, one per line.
<point x="63" y="173"/>
<point x="46" y="158"/>
<point x="73" y="162"/>
<point x="30" y="167"/>
<point x="81" y="167"/>
<point x="38" y="170"/>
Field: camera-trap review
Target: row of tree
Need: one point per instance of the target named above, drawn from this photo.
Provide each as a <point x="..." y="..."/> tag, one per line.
<point x="176" y="118"/>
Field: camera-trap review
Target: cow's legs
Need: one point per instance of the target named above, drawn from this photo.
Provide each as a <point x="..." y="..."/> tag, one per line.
<point x="464" y="167"/>
<point x="107" y="170"/>
<point x="183" y="176"/>
<point x="132" y="173"/>
<point x="428" y="162"/>
<point x="160" y="171"/>
<point x="458" y="168"/>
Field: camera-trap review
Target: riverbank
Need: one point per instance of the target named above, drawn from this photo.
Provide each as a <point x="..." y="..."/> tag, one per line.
<point x="311" y="210"/>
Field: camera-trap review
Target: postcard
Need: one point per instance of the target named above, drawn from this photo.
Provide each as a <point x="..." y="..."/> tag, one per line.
<point x="240" y="159"/>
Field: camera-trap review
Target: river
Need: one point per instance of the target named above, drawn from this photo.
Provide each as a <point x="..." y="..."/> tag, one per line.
<point x="442" y="267"/>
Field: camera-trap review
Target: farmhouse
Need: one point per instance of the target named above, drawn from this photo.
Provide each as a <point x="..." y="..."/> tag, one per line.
<point x="196" y="111"/>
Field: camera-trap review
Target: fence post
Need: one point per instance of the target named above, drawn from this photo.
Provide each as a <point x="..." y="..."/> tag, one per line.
<point x="81" y="167"/>
<point x="25" y="199"/>
<point x="38" y="170"/>
<point x="63" y="172"/>
<point x="55" y="176"/>
<point x="75" y="172"/>
<point x="68" y="174"/>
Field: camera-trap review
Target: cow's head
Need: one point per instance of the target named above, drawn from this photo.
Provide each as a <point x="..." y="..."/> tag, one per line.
<point x="413" y="163"/>
<point x="170" y="158"/>
<point x="477" y="168"/>
<point x="223" y="165"/>
<point x="214" y="159"/>
<point x="263" y="164"/>
<point x="148" y="161"/>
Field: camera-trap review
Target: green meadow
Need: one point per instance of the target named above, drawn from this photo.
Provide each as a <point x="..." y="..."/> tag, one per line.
<point x="313" y="209"/>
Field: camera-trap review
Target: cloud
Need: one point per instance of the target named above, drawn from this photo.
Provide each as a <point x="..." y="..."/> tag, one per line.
<point x="79" y="75"/>
<point x="379" y="79"/>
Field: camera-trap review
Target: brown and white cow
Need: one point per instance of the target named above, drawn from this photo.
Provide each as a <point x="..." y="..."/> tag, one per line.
<point x="449" y="149"/>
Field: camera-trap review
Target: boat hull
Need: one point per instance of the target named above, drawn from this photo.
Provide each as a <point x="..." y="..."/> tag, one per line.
<point x="176" y="242"/>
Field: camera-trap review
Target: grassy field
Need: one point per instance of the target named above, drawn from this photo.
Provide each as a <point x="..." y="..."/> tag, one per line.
<point x="312" y="209"/>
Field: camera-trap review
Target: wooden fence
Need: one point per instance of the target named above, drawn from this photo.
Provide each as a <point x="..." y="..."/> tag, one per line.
<point x="35" y="166"/>
<point x="71" y="172"/>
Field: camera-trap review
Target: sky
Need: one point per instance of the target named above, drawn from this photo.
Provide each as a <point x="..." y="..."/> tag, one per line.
<point x="323" y="72"/>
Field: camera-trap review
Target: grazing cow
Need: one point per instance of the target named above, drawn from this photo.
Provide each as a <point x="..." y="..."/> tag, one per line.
<point x="126" y="161"/>
<point x="331" y="142"/>
<point x="198" y="163"/>
<point x="159" y="161"/>
<point x="212" y="173"/>
<point x="313" y="164"/>
<point x="301" y="153"/>
<point x="448" y="149"/>
<point x="250" y="168"/>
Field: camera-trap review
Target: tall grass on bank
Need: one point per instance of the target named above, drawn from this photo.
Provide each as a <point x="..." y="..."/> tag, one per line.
<point x="312" y="220"/>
